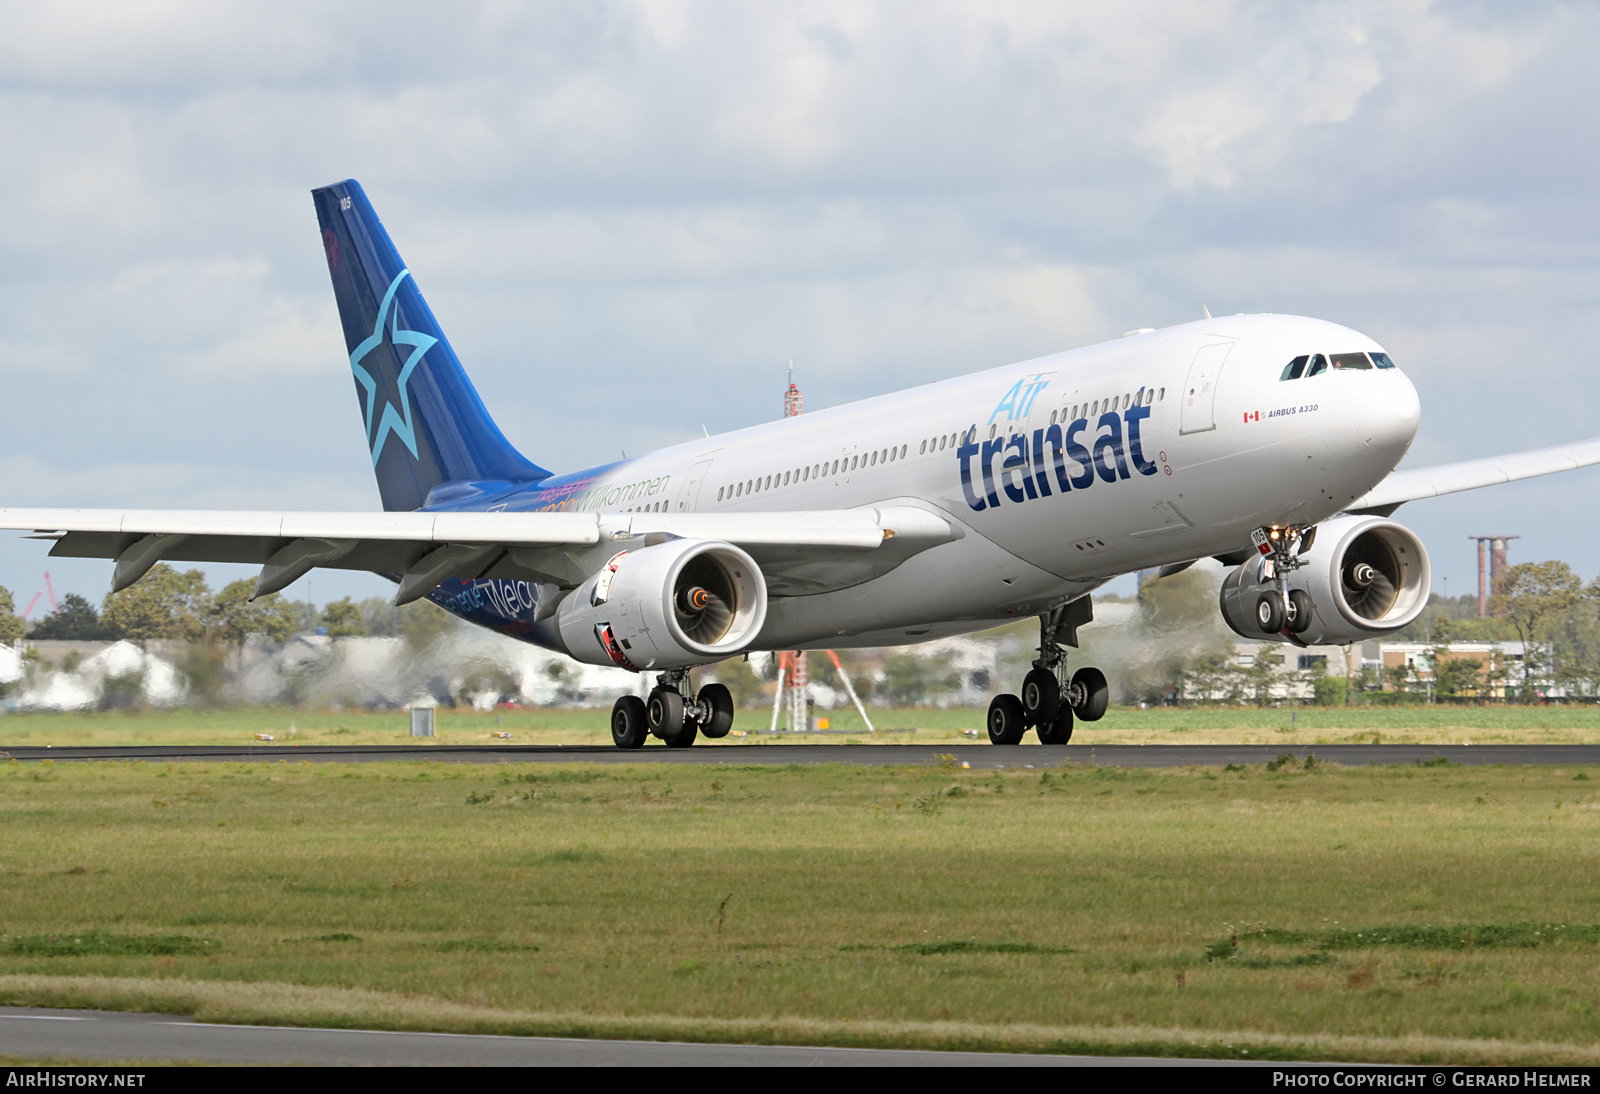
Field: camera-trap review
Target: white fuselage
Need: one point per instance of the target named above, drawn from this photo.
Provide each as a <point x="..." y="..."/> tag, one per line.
<point x="1223" y="446"/>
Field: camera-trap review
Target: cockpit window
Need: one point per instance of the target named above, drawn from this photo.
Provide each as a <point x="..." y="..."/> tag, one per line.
<point x="1381" y="360"/>
<point x="1294" y="368"/>
<point x="1351" y="360"/>
<point x="1319" y="364"/>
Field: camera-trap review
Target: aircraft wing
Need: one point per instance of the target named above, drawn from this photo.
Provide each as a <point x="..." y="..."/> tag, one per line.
<point x="1450" y="478"/>
<point x="798" y="551"/>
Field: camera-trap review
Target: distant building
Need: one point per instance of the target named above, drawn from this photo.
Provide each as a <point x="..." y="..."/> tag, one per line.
<point x="1386" y="666"/>
<point x="1501" y="665"/>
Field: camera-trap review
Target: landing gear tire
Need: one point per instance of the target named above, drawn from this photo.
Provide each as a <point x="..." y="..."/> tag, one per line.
<point x="719" y="702"/>
<point x="1041" y="696"/>
<point x="1057" y="731"/>
<point x="1269" y="613"/>
<point x="685" y="736"/>
<point x="629" y="722"/>
<point x="1298" y="618"/>
<point x="1006" y="725"/>
<point x="665" y="715"/>
<point x="1090" y="694"/>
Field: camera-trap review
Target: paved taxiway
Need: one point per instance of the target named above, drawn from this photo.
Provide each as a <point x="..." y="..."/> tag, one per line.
<point x="93" y="1035"/>
<point x="976" y="755"/>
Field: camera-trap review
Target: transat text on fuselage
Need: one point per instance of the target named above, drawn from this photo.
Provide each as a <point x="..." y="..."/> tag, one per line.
<point x="1028" y="465"/>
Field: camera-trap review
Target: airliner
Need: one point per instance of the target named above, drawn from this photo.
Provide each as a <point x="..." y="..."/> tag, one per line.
<point x="1268" y="442"/>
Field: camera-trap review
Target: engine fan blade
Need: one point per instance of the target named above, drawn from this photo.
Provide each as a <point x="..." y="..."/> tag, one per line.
<point x="1372" y="601"/>
<point x="710" y="622"/>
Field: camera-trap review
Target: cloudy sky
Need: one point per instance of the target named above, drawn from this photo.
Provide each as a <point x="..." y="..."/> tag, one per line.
<point x="629" y="217"/>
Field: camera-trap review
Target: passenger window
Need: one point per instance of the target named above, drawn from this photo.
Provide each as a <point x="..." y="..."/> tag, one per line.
<point x="1381" y="360"/>
<point x="1162" y="394"/>
<point x="1052" y="417"/>
<point x="1319" y="364"/>
<point x="903" y="450"/>
<point x="1294" y="369"/>
<point x="1351" y="360"/>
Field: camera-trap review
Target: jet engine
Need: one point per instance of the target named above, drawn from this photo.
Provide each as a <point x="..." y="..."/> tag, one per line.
<point x="672" y="605"/>
<point x="1366" y="576"/>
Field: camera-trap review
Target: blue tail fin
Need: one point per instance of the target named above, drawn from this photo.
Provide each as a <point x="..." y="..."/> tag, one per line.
<point x="425" y="423"/>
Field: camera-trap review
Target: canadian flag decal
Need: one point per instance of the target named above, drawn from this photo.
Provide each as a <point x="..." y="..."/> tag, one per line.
<point x="1252" y="415"/>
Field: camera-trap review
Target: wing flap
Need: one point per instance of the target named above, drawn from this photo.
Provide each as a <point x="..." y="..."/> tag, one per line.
<point x="801" y="552"/>
<point x="521" y="528"/>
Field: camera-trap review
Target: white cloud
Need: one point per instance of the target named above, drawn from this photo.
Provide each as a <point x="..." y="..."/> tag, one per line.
<point x="619" y="194"/>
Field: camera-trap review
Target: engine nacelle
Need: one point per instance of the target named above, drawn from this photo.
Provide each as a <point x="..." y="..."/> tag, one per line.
<point x="677" y="604"/>
<point x="1367" y="577"/>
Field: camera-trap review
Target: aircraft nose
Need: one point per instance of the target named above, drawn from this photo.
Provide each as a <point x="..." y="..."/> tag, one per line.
<point x="1393" y="415"/>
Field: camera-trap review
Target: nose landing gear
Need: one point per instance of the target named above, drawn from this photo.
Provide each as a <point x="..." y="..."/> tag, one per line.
<point x="1050" y="703"/>
<point x="677" y="720"/>
<point x="1283" y="608"/>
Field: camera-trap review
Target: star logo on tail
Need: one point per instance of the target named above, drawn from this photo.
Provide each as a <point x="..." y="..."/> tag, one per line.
<point x="394" y="420"/>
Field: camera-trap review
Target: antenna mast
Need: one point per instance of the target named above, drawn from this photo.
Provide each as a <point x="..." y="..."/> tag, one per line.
<point x="793" y="402"/>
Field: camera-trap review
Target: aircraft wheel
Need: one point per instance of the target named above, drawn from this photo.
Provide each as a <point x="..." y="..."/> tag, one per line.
<point x="665" y="710"/>
<point x="720" y="700"/>
<point x="685" y="736"/>
<point x="629" y="722"/>
<point x="1006" y="726"/>
<point x="1057" y="731"/>
<point x="1090" y="694"/>
<point x="1299" y="615"/>
<point x="1041" y="696"/>
<point x="1269" y="613"/>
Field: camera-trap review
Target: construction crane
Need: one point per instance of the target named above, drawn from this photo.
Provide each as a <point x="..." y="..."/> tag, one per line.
<point x="46" y="591"/>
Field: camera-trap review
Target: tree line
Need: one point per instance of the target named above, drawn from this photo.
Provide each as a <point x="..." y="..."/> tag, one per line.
<point x="168" y="605"/>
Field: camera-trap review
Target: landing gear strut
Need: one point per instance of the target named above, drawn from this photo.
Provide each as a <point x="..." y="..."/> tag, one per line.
<point x="1050" y="702"/>
<point x="671" y="716"/>
<point x="1283" y="608"/>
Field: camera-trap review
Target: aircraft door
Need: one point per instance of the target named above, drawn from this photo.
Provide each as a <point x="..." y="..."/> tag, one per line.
<point x="1200" y="389"/>
<point x="689" y="494"/>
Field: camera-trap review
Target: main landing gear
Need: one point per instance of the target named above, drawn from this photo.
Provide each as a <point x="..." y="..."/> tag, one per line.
<point x="1050" y="702"/>
<point x="1283" y="608"/>
<point x="670" y="715"/>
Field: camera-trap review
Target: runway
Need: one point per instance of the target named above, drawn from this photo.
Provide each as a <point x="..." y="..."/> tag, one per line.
<point x="95" y="1035"/>
<point x="974" y="755"/>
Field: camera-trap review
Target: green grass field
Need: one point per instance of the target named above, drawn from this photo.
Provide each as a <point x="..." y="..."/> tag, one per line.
<point x="1221" y="725"/>
<point x="1401" y="913"/>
